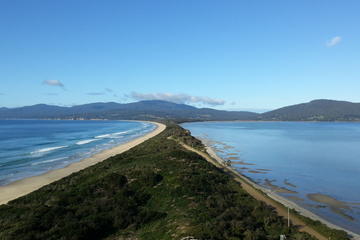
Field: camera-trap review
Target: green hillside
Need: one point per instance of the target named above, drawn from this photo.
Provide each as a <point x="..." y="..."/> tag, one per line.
<point x="317" y="110"/>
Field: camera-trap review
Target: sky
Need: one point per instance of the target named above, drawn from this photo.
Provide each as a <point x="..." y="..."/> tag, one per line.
<point x="236" y="55"/>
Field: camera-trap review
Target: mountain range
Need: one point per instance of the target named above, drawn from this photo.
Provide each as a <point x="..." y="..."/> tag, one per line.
<point x="317" y="110"/>
<point x="142" y="110"/>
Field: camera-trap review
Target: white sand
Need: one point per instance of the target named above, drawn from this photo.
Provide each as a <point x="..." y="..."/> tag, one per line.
<point x="24" y="186"/>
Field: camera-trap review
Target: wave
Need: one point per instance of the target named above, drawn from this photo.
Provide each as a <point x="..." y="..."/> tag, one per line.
<point x="47" y="161"/>
<point x="123" y="132"/>
<point x="44" y="150"/>
<point x="86" y="141"/>
<point x="145" y="127"/>
<point x="113" y="135"/>
<point x="104" y="136"/>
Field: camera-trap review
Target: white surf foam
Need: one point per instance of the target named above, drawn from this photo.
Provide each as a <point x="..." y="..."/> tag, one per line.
<point x="47" y="161"/>
<point x="121" y="133"/>
<point x="104" y="136"/>
<point x="44" y="150"/>
<point x="113" y="135"/>
<point x="82" y="142"/>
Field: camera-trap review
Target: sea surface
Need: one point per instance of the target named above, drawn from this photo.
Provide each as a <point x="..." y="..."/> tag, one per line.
<point x="32" y="147"/>
<point x="314" y="164"/>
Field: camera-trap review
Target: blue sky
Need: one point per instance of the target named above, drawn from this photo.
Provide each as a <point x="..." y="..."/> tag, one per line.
<point x="222" y="54"/>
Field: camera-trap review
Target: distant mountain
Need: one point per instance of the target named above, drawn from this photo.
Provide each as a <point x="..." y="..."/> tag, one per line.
<point x="143" y="110"/>
<point x="34" y="111"/>
<point x="40" y="111"/>
<point x="317" y="110"/>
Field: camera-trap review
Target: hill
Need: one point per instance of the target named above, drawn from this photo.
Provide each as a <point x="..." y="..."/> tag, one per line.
<point x="143" y="110"/>
<point x="317" y="110"/>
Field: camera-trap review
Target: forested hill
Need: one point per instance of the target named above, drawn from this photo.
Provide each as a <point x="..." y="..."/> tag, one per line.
<point x="143" y="110"/>
<point x="317" y="110"/>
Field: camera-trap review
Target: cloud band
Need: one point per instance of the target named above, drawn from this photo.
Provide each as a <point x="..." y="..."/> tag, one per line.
<point x="177" y="98"/>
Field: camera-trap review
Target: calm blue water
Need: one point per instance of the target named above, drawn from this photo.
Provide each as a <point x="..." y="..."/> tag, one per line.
<point x="33" y="147"/>
<point x="314" y="157"/>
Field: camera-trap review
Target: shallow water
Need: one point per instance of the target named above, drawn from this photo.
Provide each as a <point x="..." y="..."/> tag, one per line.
<point x="33" y="147"/>
<point x="296" y="159"/>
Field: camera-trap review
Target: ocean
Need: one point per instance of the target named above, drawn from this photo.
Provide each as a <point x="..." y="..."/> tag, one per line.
<point x="33" y="147"/>
<point x="314" y="164"/>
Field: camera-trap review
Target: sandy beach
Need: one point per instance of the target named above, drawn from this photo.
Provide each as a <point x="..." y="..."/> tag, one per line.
<point x="24" y="186"/>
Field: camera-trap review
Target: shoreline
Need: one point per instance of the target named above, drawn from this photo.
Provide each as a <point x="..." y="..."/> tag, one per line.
<point x="25" y="186"/>
<point x="276" y="197"/>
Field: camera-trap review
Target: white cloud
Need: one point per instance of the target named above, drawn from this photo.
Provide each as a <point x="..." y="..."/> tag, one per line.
<point x="55" y="83"/>
<point x="333" y="41"/>
<point x="177" y="98"/>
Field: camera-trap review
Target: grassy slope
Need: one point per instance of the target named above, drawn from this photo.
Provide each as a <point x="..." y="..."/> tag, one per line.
<point x="157" y="190"/>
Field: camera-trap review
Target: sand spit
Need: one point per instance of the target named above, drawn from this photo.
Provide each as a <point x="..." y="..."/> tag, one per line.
<point x="232" y="154"/>
<point x="269" y="183"/>
<point x="255" y="171"/>
<point x="335" y="205"/>
<point x="22" y="187"/>
<point x="295" y="198"/>
<point x="239" y="162"/>
<point x="286" y="182"/>
<point x="263" y="169"/>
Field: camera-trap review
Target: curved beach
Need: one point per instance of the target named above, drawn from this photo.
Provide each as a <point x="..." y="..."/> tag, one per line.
<point x="27" y="185"/>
